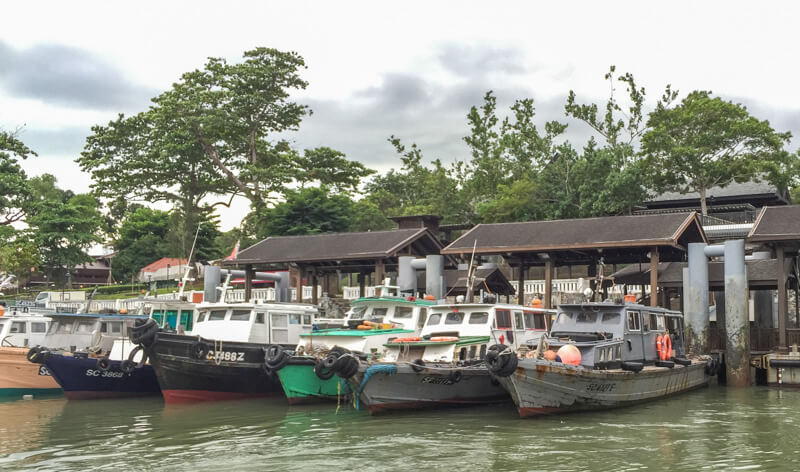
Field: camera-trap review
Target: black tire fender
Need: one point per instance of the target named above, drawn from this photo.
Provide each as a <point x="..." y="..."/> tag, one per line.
<point x="127" y="366"/>
<point x="455" y="376"/>
<point x="418" y="365"/>
<point x="199" y="350"/>
<point x="33" y="354"/>
<point x="104" y="363"/>
<point x="632" y="366"/>
<point x="322" y="373"/>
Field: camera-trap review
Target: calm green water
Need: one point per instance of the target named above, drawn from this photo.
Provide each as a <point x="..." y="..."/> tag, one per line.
<point x="709" y="429"/>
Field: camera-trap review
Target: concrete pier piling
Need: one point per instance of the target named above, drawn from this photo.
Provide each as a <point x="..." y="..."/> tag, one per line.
<point x="737" y="323"/>
<point x="696" y="301"/>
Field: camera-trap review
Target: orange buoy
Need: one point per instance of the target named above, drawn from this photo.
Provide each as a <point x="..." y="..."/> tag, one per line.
<point x="550" y="355"/>
<point x="361" y="326"/>
<point x="442" y="339"/>
<point x="406" y="340"/>
<point x="660" y="347"/>
<point x="668" y="354"/>
<point x="368" y="323"/>
<point x="630" y="298"/>
<point x="536" y="303"/>
<point x="429" y="297"/>
<point x="569" y="354"/>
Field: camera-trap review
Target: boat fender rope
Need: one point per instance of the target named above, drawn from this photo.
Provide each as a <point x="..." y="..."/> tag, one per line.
<point x="388" y="369"/>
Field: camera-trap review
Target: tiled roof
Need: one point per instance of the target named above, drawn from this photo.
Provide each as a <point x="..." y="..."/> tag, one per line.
<point x="162" y="264"/>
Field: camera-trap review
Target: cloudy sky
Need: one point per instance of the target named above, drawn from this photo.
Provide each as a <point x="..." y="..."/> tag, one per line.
<point x="411" y="69"/>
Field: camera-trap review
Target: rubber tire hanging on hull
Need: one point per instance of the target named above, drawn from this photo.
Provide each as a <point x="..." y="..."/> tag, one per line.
<point x="632" y="366"/>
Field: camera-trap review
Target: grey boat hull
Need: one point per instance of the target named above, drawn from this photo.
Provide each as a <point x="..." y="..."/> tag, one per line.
<point x="432" y="387"/>
<point x="541" y="387"/>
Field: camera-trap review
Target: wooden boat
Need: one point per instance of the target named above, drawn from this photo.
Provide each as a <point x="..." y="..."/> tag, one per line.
<point x="600" y="356"/>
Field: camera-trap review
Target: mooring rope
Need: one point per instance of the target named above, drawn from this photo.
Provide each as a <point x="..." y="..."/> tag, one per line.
<point x="388" y="369"/>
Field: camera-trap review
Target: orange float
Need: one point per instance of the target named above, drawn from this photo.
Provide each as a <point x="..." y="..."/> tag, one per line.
<point x="569" y="354"/>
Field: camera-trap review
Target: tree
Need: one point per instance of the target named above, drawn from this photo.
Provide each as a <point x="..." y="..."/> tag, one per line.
<point x="308" y="211"/>
<point x="64" y="226"/>
<point x="18" y="253"/>
<point x="330" y="168"/>
<point x="143" y="239"/>
<point x="706" y="142"/>
<point x="14" y="191"/>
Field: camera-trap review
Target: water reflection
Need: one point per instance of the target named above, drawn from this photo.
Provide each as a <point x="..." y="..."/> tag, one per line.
<point x="710" y="429"/>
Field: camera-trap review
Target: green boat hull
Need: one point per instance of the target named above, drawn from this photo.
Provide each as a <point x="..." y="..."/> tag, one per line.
<point x="19" y="392"/>
<point x="302" y="385"/>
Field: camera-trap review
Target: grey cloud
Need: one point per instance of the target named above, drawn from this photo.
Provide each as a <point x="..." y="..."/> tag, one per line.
<point x="65" y="141"/>
<point x="417" y="111"/>
<point x="68" y="76"/>
<point x="472" y="60"/>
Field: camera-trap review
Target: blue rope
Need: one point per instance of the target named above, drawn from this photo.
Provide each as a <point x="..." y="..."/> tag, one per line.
<point x="388" y="369"/>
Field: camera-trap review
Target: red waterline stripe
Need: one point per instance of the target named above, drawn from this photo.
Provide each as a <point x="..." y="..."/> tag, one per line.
<point x="172" y="397"/>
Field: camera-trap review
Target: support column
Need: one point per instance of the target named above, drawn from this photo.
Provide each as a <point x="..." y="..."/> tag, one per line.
<point x="520" y="282"/>
<point x="696" y="302"/>
<point x="300" y="275"/>
<point x="379" y="274"/>
<point x="783" y="307"/>
<point x="737" y="323"/>
<point x="654" y="276"/>
<point x="314" y="281"/>
<point x="248" y="282"/>
<point x="591" y="271"/>
<point x="361" y="286"/>
<point x="548" y="283"/>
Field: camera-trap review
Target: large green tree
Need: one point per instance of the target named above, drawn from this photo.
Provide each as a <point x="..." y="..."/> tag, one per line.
<point x="308" y="211"/>
<point x="14" y="191"/>
<point x="706" y="142"/>
<point x="63" y="225"/>
<point x="143" y="238"/>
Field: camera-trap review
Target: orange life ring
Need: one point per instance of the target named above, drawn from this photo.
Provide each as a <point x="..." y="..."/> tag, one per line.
<point x="660" y="347"/>
<point x="406" y="340"/>
<point x="441" y="339"/>
<point x="667" y="348"/>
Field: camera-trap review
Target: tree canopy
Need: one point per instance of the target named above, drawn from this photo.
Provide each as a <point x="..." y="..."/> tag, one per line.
<point x="706" y="141"/>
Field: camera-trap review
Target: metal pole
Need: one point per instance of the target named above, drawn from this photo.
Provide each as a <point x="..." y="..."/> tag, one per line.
<point x="696" y="303"/>
<point x="737" y="323"/>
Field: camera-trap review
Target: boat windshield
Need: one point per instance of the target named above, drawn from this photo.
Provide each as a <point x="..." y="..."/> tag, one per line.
<point x="403" y="312"/>
<point x="357" y="312"/>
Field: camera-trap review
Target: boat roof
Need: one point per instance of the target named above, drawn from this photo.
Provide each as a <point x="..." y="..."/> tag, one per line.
<point x="251" y="306"/>
<point x="507" y="306"/>
<point x="394" y="299"/>
<point x="356" y="332"/>
<point x="426" y="342"/>
<point x="106" y="316"/>
<point x="635" y="306"/>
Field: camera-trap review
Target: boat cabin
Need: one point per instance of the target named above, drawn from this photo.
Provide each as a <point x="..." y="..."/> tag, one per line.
<point x="404" y="313"/>
<point x="609" y="334"/>
<point x="463" y="332"/>
<point x="23" y="329"/>
<point x="267" y="323"/>
<point x="86" y="331"/>
<point x="174" y="316"/>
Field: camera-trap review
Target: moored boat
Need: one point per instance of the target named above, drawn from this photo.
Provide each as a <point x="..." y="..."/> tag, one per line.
<point x="371" y="322"/>
<point x="120" y="370"/>
<point x="19" y="377"/>
<point x="600" y="356"/>
<point x="223" y="359"/>
<point x="444" y="366"/>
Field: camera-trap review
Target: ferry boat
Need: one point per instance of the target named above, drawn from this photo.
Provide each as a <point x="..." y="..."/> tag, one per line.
<point x="599" y="356"/>
<point x="444" y="366"/>
<point x="370" y="322"/>
<point x="223" y="358"/>
<point x="117" y="369"/>
<point x="19" y="377"/>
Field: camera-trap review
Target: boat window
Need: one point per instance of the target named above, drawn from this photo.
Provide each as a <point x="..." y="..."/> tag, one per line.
<point x="294" y="318"/>
<point x="434" y="319"/>
<point x="502" y="319"/>
<point x="478" y="318"/>
<point x="377" y="314"/>
<point x="610" y="318"/>
<point x="216" y="315"/>
<point x="357" y="312"/>
<point x="483" y="351"/>
<point x="111" y="327"/>
<point x="659" y="321"/>
<point x="534" y="320"/>
<point x="306" y="319"/>
<point x="565" y="317"/>
<point x="518" y="320"/>
<point x="63" y="327"/>
<point x="633" y="321"/>
<point x="85" y="327"/>
<point x="260" y="318"/>
<point x="240" y="315"/>
<point x="423" y="315"/>
<point x="403" y="312"/>
<point x="454" y="318"/>
<point x="472" y="351"/>
<point x="586" y="317"/>
<point x="186" y="319"/>
<point x="18" y="327"/>
<point x="158" y="317"/>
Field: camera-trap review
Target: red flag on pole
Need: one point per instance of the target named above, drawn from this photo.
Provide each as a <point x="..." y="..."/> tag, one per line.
<point x="234" y="253"/>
